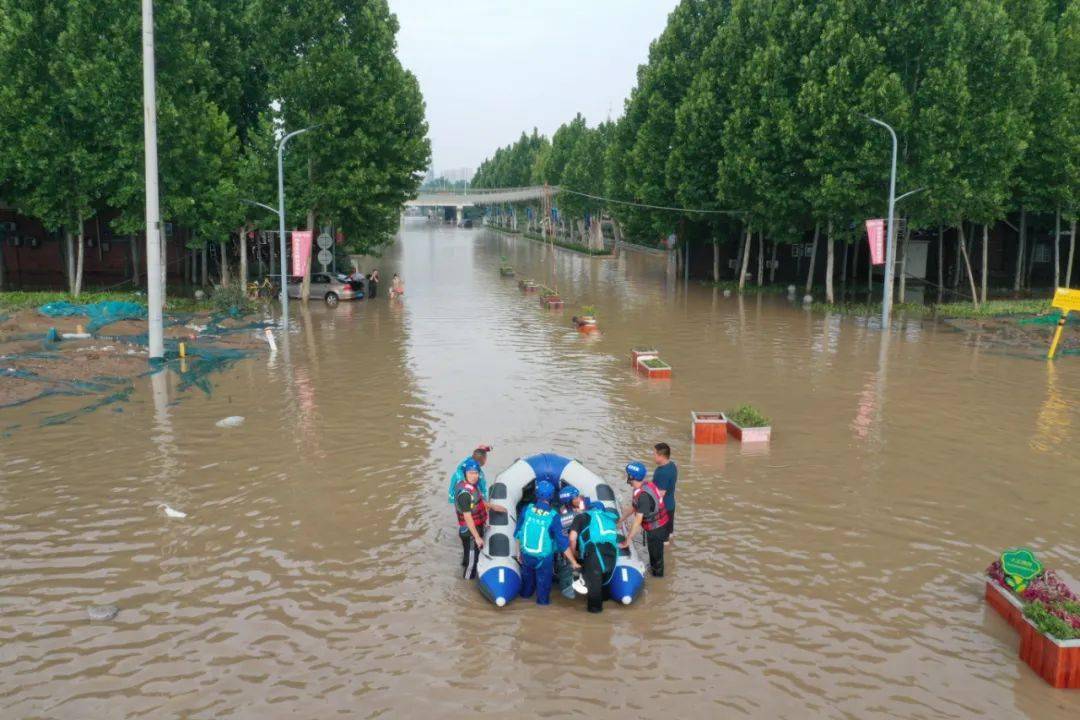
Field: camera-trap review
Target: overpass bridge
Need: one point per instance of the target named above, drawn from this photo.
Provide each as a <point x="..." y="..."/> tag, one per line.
<point x="480" y="196"/>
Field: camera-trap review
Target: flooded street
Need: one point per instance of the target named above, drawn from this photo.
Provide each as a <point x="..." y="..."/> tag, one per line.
<point x="836" y="573"/>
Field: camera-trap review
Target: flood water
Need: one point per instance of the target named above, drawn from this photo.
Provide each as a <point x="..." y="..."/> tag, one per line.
<point x="835" y="573"/>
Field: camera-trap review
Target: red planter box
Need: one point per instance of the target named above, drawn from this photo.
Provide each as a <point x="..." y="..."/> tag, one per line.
<point x="709" y="428"/>
<point x="552" y="302"/>
<point x="585" y="326"/>
<point x="1055" y="661"/>
<point x="527" y="286"/>
<point x="638" y="353"/>
<point x="654" y="372"/>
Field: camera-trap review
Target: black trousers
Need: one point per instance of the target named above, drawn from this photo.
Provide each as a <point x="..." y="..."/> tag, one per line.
<point x="595" y="576"/>
<point x="654" y="540"/>
<point x="671" y="523"/>
<point x="470" y="555"/>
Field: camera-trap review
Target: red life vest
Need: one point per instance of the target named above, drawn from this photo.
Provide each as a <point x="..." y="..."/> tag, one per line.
<point x="479" y="509"/>
<point x="659" y="517"/>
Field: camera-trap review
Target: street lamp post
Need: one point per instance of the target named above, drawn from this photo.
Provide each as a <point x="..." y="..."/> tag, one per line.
<point x="890" y="241"/>
<point x="155" y="295"/>
<point x="281" y="218"/>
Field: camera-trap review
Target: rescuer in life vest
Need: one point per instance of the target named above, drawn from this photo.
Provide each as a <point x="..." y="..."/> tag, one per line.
<point x="649" y="514"/>
<point x="472" y="517"/>
<point x="570" y="505"/>
<point x="594" y="537"/>
<point x="539" y="534"/>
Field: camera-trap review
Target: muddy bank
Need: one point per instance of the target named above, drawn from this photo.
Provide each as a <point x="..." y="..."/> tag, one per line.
<point x="33" y="366"/>
<point x="1026" y="334"/>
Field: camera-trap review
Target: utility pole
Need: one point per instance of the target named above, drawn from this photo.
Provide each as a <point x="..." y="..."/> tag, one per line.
<point x="281" y="218"/>
<point x="890" y="241"/>
<point x="155" y="291"/>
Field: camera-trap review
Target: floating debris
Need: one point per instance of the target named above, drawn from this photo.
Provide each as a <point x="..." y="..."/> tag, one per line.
<point x="102" y="612"/>
<point x="171" y="512"/>
<point x="231" y="421"/>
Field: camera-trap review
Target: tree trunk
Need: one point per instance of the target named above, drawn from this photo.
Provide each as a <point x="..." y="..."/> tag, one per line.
<point x="2" y="265"/>
<point x="715" y="261"/>
<point x="69" y="260"/>
<point x="1020" y="250"/>
<point x="959" y="256"/>
<point x="1072" y="251"/>
<point x="135" y="262"/>
<point x="870" y="277"/>
<point x="844" y="264"/>
<point x="1057" y="248"/>
<point x="305" y="285"/>
<point x="772" y="263"/>
<point x="903" y="264"/>
<point x="940" y="263"/>
<point x="738" y="257"/>
<point x="855" y="261"/>
<point x="985" y="261"/>
<point x="205" y="262"/>
<point x="967" y="262"/>
<point x="745" y="258"/>
<point x="830" y="261"/>
<point x="761" y="259"/>
<point x="243" y="258"/>
<point x="223" y="245"/>
<point x="1030" y="262"/>
<point x="813" y="259"/>
<point x="81" y="254"/>
<point x="273" y="256"/>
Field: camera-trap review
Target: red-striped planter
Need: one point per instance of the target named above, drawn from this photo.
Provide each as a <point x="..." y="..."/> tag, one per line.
<point x="1055" y="661"/>
<point x="709" y="428"/>
<point x="527" y="286"/>
<point x="585" y="324"/>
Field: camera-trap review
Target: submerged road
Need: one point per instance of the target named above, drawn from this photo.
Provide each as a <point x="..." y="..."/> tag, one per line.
<point x="832" y="574"/>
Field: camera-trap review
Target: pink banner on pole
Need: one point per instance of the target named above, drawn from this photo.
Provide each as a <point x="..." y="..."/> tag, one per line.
<point x="875" y="234"/>
<point x="301" y="251"/>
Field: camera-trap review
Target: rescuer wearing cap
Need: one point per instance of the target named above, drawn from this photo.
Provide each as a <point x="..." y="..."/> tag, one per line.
<point x="647" y="509"/>
<point x="479" y="455"/>
<point x="539" y="534"/>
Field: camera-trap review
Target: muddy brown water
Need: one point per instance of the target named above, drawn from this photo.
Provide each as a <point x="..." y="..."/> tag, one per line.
<point x="835" y="573"/>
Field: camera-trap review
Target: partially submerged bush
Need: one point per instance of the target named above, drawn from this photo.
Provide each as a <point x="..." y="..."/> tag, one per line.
<point x="748" y="416"/>
<point x="231" y="299"/>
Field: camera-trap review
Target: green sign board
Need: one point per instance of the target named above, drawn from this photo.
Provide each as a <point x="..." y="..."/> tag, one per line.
<point x="1020" y="566"/>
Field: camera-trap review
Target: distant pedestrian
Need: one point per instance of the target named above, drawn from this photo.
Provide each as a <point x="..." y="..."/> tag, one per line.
<point x="664" y="477"/>
<point x="373" y="283"/>
<point x="397" y="287"/>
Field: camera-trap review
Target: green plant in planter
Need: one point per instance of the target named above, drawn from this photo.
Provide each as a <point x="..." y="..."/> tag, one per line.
<point x="748" y="416"/>
<point x="588" y="311"/>
<point x="546" y="292"/>
<point x="654" y="363"/>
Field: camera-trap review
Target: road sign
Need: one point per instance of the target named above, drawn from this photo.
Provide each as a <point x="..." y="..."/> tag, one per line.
<point x="325" y="241"/>
<point x="325" y="258"/>
<point x="1068" y="301"/>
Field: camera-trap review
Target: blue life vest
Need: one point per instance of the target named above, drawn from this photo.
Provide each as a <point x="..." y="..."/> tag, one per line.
<point x="535" y="533"/>
<point x="602" y="530"/>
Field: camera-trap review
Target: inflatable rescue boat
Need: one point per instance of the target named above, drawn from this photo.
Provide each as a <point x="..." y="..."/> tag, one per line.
<point x="498" y="573"/>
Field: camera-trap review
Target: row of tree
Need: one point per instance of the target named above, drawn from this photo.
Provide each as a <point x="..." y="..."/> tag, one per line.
<point x="232" y="75"/>
<point x="757" y="111"/>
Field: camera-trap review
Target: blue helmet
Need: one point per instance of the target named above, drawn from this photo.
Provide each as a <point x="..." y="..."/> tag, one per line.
<point x="594" y="505"/>
<point x="636" y="471"/>
<point x="470" y="464"/>
<point x="567" y="495"/>
<point x="544" y="490"/>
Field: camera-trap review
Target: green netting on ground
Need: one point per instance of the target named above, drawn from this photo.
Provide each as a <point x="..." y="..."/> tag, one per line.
<point x="100" y="314"/>
<point x="1051" y="319"/>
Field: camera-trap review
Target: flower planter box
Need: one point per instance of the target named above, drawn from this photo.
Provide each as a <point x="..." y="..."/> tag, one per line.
<point x="749" y="434"/>
<point x="1007" y="605"/>
<point x="639" y="352"/>
<point x="1055" y="661"/>
<point x="552" y="302"/>
<point x="506" y="271"/>
<point x="709" y="428"/>
<point x="654" y="368"/>
<point x="585" y="324"/>
<point x="527" y="286"/>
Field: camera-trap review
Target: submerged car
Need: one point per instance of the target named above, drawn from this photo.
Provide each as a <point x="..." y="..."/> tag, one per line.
<point x="324" y="286"/>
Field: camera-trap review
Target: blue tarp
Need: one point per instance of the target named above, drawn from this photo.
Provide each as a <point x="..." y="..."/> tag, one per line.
<point x="99" y="313"/>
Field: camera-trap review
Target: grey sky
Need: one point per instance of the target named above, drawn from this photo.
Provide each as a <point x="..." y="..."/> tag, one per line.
<point x="492" y="68"/>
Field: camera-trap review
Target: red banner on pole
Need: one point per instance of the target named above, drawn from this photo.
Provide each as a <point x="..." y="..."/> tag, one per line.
<point x="301" y="252"/>
<point x="875" y="234"/>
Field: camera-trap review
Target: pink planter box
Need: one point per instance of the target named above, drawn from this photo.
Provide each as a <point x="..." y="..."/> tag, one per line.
<point x="709" y="428"/>
<point x="1055" y="661"/>
<point x="749" y="435"/>
<point x="638" y="353"/>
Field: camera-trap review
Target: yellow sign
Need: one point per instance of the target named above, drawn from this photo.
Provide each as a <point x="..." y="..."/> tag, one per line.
<point x="1067" y="299"/>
